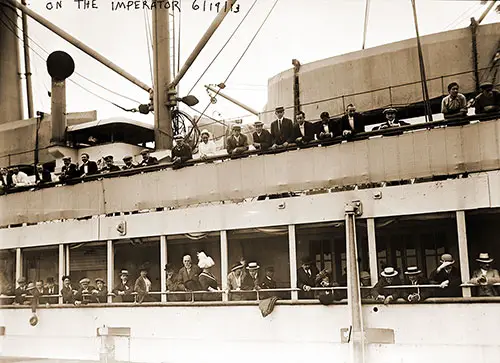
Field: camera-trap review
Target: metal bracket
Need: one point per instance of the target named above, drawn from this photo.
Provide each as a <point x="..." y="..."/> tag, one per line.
<point x="355" y="207"/>
<point x="372" y="336"/>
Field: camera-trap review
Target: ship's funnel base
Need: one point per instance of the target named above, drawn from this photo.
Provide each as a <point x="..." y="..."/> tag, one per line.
<point x="58" y="112"/>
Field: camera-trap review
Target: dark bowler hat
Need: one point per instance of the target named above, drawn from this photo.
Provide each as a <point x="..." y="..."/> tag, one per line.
<point x="145" y="151"/>
<point x="447" y="258"/>
<point x="65" y="277"/>
<point x="21" y="280"/>
<point x="412" y="270"/>
<point x="484" y="258"/>
<point x="66" y="158"/>
<point x="108" y="158"/>
<point x="236" y="126"/>
<point x="178" y="137"/>
<point x="486" y="85"/>
<point x="169" y="267"/>
<point x="306" y="260"/>
<point x="127" y="157"/>
<point x="99" y="279"/>
<point x="390" y="110"/>
<point x="279" y="109"/>
<point x="324" y="114"/>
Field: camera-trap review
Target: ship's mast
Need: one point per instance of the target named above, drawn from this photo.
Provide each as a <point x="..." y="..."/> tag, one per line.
<point x="27" y="64"/>
<point x="11" y="107"/>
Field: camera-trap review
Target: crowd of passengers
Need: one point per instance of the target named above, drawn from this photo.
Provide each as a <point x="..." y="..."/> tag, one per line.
<point x="282" y="134"/>
<point x="244" y="280"/>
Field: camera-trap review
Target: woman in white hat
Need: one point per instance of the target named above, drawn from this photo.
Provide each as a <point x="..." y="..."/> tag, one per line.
<point x="206" y="147"/>
<point x="207" y="280"/>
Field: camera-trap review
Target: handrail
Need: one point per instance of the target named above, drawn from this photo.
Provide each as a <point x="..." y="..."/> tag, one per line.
<point x="317" y="143"/>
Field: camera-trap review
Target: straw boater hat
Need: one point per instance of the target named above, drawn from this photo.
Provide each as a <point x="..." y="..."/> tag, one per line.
<point x="390" y="110"/>
<point x="412" y="270"/>
<point x="85" y="279"/>
<point x="447" y="258"/>
<point x="178" y="137"/>
<point x="205" y="131"/>
<point x="280" y="109"/>
<point x="236" y="126"/>
<point x="123" y="272"/>
<point x="389" y="272"/>
<point x="253" y="266"/>
<point x="484" y="258"/>
<point x="237" y="266"/>
<point x="258" y="122"/>
<point x="31" y="286"/>
<point x="205" y="261"/>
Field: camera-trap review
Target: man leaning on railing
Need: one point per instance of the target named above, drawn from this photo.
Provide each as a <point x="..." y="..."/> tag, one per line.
<point x="485" y="277"/>
<point x="389" y="277"/>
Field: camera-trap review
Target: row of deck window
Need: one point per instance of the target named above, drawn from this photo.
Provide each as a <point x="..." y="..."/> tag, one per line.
<point x="400" y="242"/>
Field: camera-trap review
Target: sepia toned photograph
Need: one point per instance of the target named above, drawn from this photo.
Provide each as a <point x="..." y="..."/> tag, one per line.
<point x="249" y="180"/>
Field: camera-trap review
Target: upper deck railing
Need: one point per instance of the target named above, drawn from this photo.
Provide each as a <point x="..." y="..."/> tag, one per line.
<point x="439" y="148"/>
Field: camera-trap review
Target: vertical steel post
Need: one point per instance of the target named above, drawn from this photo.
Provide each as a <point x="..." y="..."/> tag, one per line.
<point x="110" y="268"/>
<point x="224" y="270"/>
<point x="292" y="251"/>
<point x="463" y="251"/>
<point x="61" y="269"/>
<point x="353" y="285"/>
<point x="19" y="264"/>
<point x="163" y="263"/>
<point x="372" y="251"/>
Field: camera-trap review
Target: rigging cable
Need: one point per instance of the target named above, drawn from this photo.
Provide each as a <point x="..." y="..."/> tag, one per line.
<point x="224" y="46"/>
<point x="241" y="57"/>
<point x="464" y="15"/>
<point x="365" y="28"/>
<point x="77" y="73"/>
<point x="149" y="43"/>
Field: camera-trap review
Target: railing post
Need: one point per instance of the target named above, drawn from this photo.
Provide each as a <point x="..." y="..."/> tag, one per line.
<point x="19" y="264"/>
<point x="66" y="260"/>
<point x="292" y="250"/>
<point x="372" y="251"/>
<point x="61" y="269"/>
<point x="163" y="263"/>
<point x="224" y="264"/>
<point x="463" y="251"/>
<point x="353" y="289"/>
<point x="110" y="268"/>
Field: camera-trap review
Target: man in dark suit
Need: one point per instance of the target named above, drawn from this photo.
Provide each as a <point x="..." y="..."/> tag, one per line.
<point x="5" y="180"/>
<point x="181" y="152"/>
<point x="51" y="289"/>
<point x="281" y="129"/>
<point x="391" y="121"/>
<point x="44" y="175"/>
<point x="101" y="292"/>
<point x="188" y="274"/>
<point x="237" y="143"/>
<point x="68" y="292"/>
<point x="327" y="128"/>
<point x="21" y="292"/>
<point x="147" y="159"/>
<point x="303" y="131"/>
<point x="352" y="122"/>
<point x="110" y="165"/>
<point x="307" y="276"/>
<point x="129" y="163"/>
<point x="448" y="277"/>
<point x="415" y="277"/>
<point x="389" y="277"/>
<point x="262" y="139"/>
<point x="88" y="167"/>
<point x="143" y="286"/>
<point x="68" y="170"/>
<point x="124" y="288"/>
